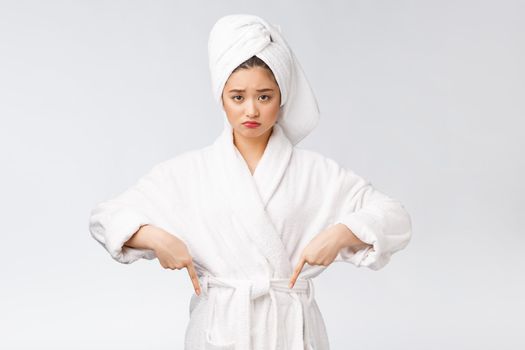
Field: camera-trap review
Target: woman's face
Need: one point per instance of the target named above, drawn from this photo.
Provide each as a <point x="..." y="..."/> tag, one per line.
<point x="251" y="95"/>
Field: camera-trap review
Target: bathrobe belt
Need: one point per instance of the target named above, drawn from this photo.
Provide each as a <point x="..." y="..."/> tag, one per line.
<point x="247" y="290"/>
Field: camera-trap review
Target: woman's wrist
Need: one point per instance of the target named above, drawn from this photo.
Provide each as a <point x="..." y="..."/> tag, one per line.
<point x="148" y="236"/>
<point x="347" y="239"/>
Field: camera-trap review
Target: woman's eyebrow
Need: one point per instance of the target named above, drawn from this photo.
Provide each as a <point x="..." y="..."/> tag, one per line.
<point x="242" y="90"/>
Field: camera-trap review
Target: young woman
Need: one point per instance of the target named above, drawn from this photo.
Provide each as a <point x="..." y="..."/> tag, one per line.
<point x="251" y="217"/>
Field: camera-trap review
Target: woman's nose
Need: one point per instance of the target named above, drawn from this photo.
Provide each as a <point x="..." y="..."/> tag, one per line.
<point x="251" y="109"/>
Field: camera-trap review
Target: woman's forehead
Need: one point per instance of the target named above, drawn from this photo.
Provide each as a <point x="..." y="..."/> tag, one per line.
<point x="252" y="78"/>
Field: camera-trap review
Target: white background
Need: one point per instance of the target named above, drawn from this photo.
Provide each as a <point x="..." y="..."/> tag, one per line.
<point x="424" y="98"/>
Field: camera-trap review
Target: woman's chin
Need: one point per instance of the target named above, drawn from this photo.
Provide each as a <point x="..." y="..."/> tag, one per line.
<point x="252" y="133"/>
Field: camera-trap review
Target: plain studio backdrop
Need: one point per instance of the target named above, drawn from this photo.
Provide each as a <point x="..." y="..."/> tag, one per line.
<point x="423" y="98"/>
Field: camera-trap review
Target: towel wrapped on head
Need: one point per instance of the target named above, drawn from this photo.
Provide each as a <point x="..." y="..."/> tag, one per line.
<point x="236" y="38"/>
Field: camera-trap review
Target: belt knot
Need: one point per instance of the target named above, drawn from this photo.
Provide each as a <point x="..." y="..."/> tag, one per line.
<point x="260" y="287"/>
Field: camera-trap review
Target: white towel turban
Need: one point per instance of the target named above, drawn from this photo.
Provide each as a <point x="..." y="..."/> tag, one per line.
<point x="234" y="39"/>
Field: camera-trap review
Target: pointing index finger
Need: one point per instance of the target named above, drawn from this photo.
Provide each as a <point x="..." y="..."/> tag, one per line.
<point x="194" y="278"/>
<point x="297" y="271"/>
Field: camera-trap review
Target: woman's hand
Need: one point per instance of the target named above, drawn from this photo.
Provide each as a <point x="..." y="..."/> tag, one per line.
<point x="171" y="252"/>
<point x="323" y="248"/>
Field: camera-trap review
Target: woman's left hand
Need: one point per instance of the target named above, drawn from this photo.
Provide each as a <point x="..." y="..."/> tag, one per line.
<point x="323" y="248"/>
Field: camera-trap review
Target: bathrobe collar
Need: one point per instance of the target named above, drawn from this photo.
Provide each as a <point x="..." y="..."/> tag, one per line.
<point x="249" y="194"/>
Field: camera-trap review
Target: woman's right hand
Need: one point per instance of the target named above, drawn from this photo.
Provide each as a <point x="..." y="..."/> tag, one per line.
<point x="171" y="252"/>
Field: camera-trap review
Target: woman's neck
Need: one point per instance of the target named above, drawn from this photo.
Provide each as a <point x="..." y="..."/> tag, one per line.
<point x="251" y="148"/>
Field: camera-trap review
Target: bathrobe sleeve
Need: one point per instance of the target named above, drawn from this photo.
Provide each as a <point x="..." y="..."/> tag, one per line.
<point x="114" y="221"/>
<point x="374" y="218"/>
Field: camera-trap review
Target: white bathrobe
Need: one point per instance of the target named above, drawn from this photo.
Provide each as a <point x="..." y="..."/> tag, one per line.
<point x="246" y="234"/>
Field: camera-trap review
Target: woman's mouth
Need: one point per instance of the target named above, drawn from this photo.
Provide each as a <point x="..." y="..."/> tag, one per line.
<point x="251" y="124"/>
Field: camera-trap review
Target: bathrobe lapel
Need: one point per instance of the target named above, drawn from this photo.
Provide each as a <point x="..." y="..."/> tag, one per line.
<point x="248" y="195"/>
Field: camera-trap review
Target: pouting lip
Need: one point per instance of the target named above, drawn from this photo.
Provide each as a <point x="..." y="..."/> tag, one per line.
<point x="250" y="122"/>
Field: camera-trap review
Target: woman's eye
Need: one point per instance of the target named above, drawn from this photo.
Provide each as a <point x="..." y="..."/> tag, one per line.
<point x="239" y="97"/>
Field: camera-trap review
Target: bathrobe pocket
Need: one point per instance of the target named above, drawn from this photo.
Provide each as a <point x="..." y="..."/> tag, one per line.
<point x="210" y="345"/>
